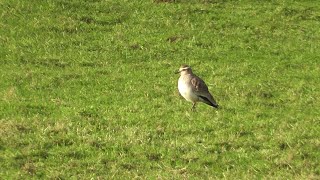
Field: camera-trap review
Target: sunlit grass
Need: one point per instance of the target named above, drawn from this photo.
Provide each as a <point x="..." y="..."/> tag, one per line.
<point x="88" y="89"/>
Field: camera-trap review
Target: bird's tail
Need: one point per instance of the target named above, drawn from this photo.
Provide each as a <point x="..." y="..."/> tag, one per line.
<point x="210" y="101"/>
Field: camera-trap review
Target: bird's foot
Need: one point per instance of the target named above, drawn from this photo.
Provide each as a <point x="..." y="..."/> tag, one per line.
<point x="193" y="108"/>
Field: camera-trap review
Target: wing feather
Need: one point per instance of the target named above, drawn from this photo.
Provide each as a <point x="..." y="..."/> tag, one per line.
<point x="199" y="85"/>
<point x="201" y="89"/>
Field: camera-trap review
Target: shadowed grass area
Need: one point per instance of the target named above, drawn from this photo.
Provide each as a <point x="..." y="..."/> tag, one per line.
<point x="88" y="89"/>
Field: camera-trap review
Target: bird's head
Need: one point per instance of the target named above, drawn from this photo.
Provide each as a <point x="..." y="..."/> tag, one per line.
<point x="184" y="69"/>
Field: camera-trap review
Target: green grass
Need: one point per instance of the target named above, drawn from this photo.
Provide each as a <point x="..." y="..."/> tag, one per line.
<point x="87" y="89"/>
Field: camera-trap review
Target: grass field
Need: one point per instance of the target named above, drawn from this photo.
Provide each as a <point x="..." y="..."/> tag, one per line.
<point x="88" y="89"/>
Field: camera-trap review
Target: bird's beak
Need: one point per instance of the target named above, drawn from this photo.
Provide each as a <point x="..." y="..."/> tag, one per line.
<point x="177" y="72"/>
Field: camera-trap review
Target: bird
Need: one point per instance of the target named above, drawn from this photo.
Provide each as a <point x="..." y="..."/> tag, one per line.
<point x="193" y="88"/>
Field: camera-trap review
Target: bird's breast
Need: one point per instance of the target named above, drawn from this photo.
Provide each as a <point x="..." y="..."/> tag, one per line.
<point x="185" y="89"/>
<point x="183" y="86"/>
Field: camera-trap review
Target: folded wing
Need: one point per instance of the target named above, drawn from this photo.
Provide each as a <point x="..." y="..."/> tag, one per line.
<point x="201" y="90"/>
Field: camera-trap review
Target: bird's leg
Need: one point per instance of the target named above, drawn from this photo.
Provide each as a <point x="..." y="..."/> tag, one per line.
<point x="193" y="107"/>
